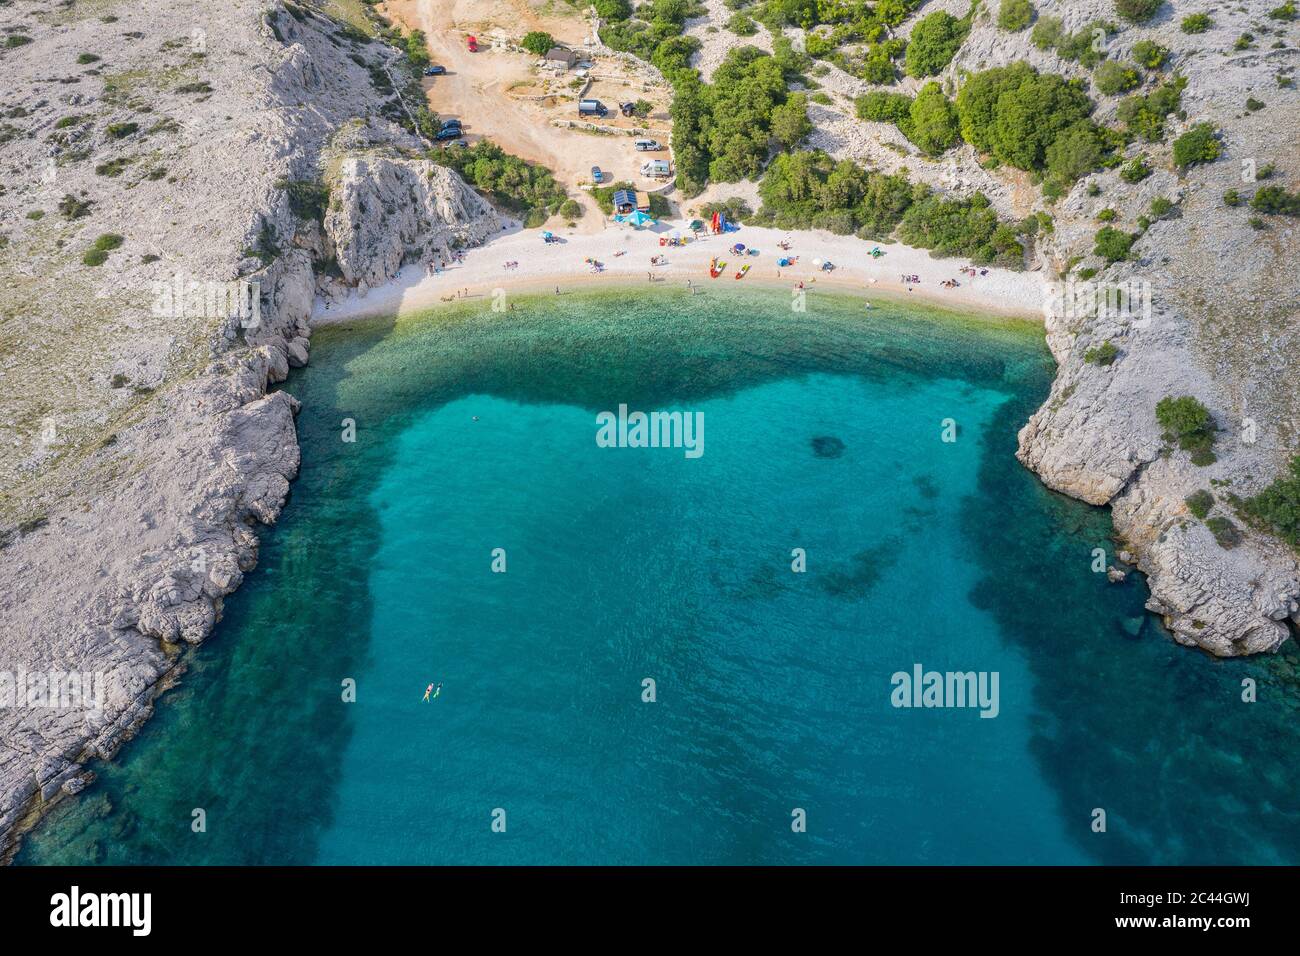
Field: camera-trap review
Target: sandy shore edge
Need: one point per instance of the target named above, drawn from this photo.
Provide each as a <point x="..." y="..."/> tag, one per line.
<point x="543" y="267"/>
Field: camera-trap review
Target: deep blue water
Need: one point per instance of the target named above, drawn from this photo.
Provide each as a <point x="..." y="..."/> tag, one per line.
<point x="823" y="431"/>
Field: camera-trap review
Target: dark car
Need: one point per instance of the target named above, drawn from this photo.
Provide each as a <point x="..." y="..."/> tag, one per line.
<point x="449" y="132"/>
<point x="434" y="70"/>
<point x="450" y="124"/>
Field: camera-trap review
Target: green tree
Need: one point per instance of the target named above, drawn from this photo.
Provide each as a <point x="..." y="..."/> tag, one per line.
<point x="537" y="42"/>
<point x="932" y="122"/>
<point x="935" y="40"/>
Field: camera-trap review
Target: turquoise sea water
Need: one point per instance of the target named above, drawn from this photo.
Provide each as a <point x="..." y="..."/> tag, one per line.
<point x="476" y="431"/>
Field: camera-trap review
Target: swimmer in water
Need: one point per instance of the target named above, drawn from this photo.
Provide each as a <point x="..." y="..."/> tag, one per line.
<point x="429" y="690"/>
<point x="437" y="690"/>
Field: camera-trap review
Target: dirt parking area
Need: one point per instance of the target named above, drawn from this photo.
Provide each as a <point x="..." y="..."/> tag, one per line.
<point x="502" y="95"/>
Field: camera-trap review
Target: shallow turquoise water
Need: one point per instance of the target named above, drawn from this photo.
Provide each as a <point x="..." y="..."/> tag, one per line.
<point x="476" y="431"/>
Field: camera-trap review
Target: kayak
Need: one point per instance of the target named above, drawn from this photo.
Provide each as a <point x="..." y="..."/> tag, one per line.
<point x="716" y="270"/>
<point x="741" y="273"/>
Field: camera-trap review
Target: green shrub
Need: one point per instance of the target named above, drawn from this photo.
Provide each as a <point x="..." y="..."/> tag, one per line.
<point x="1232" y="198"/>
<point x="121" y="130"/>
<point x="1113" y="78"/>
<point x="1048" y="32"/>
<point x="1286" y="12"/>
<point x="95" y="257"/>
<point x="1277" y="507"/>
<point x="1137" y="11"/>
<point x="1189" y="424"/>
<point x="537" y="42"/>
<point x="883" y="107"/>
<point x="1144" y="116"/>
<point x="1276" y="201"/>
<point x="70" y="207"/>
<point x="1161" y="207"/>
<point x="1015" y="15"/>
<point x="1112" y="244"/>
<point x="307" y="198"/>
<point x="1197" y="23"/>
<point x="571" y="209"/>
<point x="742" y="25"/>
<point x="1200" y="144"/>
<point x="1225" y="532"/>
<point x="1104" y="354"/>
<point x="1199" y="503"/>
<point x="1107" y="215"/>
<point x="1150" y="54"/>
<point x="85" y="58"/>
<point x="1136" y="171"/>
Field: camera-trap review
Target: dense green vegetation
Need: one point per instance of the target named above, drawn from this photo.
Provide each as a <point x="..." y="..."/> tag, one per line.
<point x="1197" y="23"/>
<point x="1015" y="15"/>
<point x="928" y="120"/>
<point x="1277" y="507"/>
<point x="1189" y="424"/>
<point x="723" y="131"/>
<point x="808" y="189"/>
<point x="934" y="41"/>
<point x="961" y="227"/>
<point x="513" y="183"/>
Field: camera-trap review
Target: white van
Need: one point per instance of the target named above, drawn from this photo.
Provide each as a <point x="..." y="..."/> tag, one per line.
<point x="657" y="169"/>
<point x="647" y="145"/>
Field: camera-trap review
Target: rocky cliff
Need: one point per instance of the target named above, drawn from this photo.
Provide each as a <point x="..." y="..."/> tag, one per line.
<point x="162" y="233"/>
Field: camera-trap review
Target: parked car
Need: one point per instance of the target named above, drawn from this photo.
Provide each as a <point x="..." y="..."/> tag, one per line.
<point x="647" y="145"/>
<point x="449" y="123"/>
<point x="596" y="175"/>
<point x="462" y="144"/>
<point x="434" y="70"/>
<point x="627" y="109"/>
<point x="656" y="169"/>
<point x="450" y="132"/>
<point x="591" y="108"/>
<point x="472" y="41"/>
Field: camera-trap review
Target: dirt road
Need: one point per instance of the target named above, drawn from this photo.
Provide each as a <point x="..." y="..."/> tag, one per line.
<point x="476" y="90"/>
